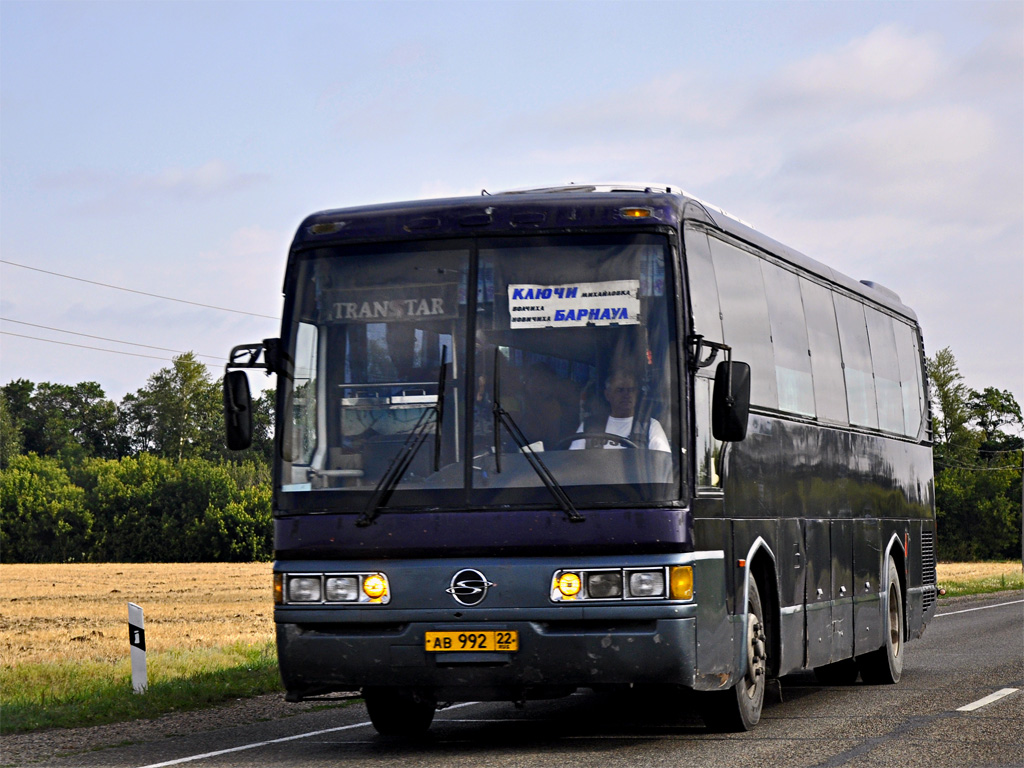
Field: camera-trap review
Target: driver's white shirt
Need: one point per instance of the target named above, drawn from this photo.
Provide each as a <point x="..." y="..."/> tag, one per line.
<point x="657" y="440"/>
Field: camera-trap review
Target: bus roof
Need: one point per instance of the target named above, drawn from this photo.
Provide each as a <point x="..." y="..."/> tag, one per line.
<point x="560" y="209"/>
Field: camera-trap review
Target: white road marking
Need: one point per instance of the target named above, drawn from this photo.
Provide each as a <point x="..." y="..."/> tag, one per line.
<point x="982" y="608"/>
<point x="258" y="744"/>
<point x="987" y="700"/>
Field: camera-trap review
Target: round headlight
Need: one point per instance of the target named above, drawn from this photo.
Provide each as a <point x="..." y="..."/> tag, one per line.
<point x="375" y="586"/>
<point x="569" y="584"/>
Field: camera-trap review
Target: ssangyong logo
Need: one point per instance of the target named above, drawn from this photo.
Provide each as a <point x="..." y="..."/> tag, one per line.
<point x="469" y="586"/>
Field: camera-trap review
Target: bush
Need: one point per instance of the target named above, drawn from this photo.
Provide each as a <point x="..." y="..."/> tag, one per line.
<point x="43" y="518"/>
<point x="141" y="509"/>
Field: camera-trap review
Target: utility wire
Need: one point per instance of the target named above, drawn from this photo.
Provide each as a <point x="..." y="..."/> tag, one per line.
<point x="84" y="346"/>
<point x="1010" y="467"/>
<point x="141" y="293"/>
<point x="104" y="338"/>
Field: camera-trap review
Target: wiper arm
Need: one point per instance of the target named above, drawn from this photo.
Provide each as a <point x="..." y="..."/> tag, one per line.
<point x="501" y="416"/>
<point x="401" y="461"/>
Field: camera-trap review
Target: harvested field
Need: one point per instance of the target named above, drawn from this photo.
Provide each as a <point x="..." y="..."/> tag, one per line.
<point x="79" y="612"/>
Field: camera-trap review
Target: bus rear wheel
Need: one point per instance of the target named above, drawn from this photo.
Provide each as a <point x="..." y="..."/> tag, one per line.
<point x="739" y="708"/>
<point x="398" y="714"/>
<point x="885" y="666"/>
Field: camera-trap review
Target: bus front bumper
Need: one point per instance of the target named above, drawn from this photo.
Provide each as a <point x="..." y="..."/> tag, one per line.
<point x="553" y="657"/>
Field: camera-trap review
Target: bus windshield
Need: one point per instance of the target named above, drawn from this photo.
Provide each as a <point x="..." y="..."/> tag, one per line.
<point x="579" y="331"/>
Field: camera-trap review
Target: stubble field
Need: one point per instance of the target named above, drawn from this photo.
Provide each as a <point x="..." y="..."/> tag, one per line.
<point x="55" y="612"/>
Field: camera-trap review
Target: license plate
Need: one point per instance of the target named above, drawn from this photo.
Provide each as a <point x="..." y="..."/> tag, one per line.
<point x="486" y="640"/>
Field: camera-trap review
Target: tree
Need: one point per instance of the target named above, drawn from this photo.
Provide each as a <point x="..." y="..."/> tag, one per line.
<point x="977" y="466"/>
<point x="176" y="415"/>
<point x="73" y="421"/>
<point x="991" y="410"/>
<point x="10" y="434"/>
<point x="948" y="395"/>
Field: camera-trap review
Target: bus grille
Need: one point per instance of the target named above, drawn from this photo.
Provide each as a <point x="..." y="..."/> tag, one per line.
<point x="928" y="576"/>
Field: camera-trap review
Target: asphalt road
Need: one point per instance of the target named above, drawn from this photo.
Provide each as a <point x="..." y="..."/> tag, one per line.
<point x="972" y="650"/>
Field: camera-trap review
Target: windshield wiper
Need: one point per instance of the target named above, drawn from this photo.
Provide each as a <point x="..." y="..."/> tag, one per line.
<point x="401" y="461"/>
<point x="501" y="416"/>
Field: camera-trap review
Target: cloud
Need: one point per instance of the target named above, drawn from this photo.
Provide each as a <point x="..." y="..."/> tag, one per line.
<point x="96" y="192"/>
<point x="208" y="180"/>
<point x="888" y="65"/>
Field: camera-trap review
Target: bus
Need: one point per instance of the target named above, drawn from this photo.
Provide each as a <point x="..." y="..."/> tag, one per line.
<point x="587" y="437"/>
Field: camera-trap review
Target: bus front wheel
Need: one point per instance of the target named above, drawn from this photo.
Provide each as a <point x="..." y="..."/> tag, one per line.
<point x="398" y="714"/>
<point x="739" y="708"/>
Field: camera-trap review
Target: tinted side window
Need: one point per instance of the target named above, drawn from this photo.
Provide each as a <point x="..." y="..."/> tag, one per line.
<point x="853" y="336"/>
<point x="886" y="366"/>
<point x="826" y="361"/>
<point x="707" y="317"/>
<point x="789" y="340"/>
<point x="909" y="354"/>
<point x="745" y="318"/>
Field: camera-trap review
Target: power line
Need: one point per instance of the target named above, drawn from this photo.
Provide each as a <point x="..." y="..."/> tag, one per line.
<point x="103" y="338"/>
<point x="141" y="293"/>
<point x="98" y="349"/>
<point x="966" y="468"/>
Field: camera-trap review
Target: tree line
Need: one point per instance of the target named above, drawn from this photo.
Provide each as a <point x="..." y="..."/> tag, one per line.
<point x="85" y="479"/>
<point x="148" y="479"/>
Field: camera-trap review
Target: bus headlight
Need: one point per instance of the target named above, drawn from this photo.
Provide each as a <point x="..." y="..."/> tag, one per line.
<point x="375" y="586"/>
<point x="567" y="586"/>
<point x="625" y="584"/>
<point x="342" y="589"/>
<point x="604" y="584"/>
<point x="304" y="589"/>
<point x="332" y="589"/>
<point x="682" y="582"/>
<point x="647" y="583"/>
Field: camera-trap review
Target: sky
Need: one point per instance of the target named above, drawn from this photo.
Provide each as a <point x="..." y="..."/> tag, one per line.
<point x="172" y="148"/>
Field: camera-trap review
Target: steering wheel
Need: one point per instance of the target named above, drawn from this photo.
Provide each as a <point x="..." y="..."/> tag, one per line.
<point x="606" y="436"/>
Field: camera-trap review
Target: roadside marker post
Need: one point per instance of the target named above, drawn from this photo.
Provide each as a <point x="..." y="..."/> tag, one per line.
<point x="137" y="641"/>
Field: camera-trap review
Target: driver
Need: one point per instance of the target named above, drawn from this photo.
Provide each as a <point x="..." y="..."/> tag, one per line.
<point x="620" y="391"/>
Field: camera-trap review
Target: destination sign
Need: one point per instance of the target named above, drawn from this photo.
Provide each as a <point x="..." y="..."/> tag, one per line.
<point x="612" y="302"/>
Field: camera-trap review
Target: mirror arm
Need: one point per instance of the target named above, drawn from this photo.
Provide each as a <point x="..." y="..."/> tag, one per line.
<point x="695" y="347"/>
<point x="248" y="356"/>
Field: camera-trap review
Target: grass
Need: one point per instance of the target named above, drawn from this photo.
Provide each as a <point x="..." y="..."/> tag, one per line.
<point x="209" y="637"/>
<point x="959" y="579"/>
<point x="67" y="694"/>
<point x="64" y="640"/>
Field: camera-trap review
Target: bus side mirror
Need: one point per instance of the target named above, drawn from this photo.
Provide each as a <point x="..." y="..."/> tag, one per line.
<point x="730" y="402"/>
<point x="237" y="410"/>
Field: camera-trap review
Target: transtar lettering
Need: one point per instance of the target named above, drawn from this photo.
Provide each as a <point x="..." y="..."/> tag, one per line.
<point x="370" y="310"/>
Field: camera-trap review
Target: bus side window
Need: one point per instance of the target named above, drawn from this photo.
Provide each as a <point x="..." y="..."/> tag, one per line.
<point x="909" y="355"/>
<point x="860" y="385"/>
<point x="826" y="362"/>
<point x="745" y="318"/>
<point x="707" y="315"/>
<point x="709" y="450"/>
<point x="886" y="367"/>
<point x="789" y="340"/>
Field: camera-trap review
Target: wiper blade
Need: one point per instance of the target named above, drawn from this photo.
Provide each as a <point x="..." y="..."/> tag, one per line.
<point x="401" y="461"/>
<point x="503" y="417"/>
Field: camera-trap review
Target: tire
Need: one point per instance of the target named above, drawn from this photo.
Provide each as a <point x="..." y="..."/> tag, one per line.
<point x="739" y="708"/>
<point x="397" y="714"/>
<point x="885" y="666"/>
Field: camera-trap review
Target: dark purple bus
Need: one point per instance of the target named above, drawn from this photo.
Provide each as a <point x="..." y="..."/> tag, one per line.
<point x="587" y="437"/>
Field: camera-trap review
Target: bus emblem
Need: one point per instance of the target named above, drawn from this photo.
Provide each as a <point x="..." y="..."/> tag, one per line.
<point x="469" y="587"/>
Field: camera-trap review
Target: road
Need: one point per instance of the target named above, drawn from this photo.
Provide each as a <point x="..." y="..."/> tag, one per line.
<point x="972" y="655"/>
